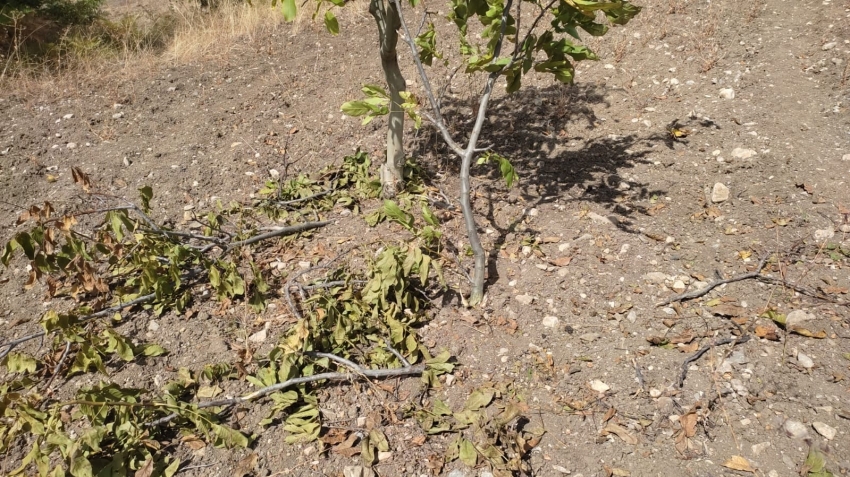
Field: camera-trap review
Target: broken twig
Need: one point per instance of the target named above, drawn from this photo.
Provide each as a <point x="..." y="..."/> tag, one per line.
<point x="704" y="349"/>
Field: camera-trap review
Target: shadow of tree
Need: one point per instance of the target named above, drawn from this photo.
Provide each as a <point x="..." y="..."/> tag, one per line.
<point x="560" y="149"/>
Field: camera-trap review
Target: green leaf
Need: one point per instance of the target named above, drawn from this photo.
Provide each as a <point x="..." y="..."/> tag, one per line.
<point x="228" y="437"/>
<point x="429" y="216"/>
<point x="289" y="10"/>
<point x="152" y="350"/>
<point x="816" y="464"/>
<point x="479" y="399"/>
<point x="80" y="467"/>
<point x="396" y="214"/>
<point x="467" y="453"/>
<point x="146" y="194"/>
<point x="20" y="363"/>
<point x="331" y="23"/>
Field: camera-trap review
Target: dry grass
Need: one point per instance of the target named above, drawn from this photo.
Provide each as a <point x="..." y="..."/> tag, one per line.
<point x="205" y="34"/>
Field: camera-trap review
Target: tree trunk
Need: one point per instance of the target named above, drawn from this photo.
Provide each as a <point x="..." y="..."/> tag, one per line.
<point x="392" y="172"/>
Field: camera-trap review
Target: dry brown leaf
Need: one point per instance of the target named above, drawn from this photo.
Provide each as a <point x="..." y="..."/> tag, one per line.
<point x="739" y="463"/>
<point x="689" y="424"/>
<point x="418" y="440"/>
<point x="836" y="290"/>
<point x="689" y="348"/>
<point x="246" y="465"/>
<point x="193" y="442"/>
<point x="684" y="337"/>
<point x="609" y="414"/>
<point x="767" y="332"/>
<point x="145" y="470"/>
<point x="728" y="310"/>
<point x="334" y="436"/>
<point x="621" y="432"/>
<point x="550" y="239"/>
<point x="347" y="448"/>
<point x="807" y="333"/>
<point x="561" y="261"/>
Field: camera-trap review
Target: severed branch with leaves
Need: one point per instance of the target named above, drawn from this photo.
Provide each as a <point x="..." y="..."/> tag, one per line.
<point x="114" y="251"/>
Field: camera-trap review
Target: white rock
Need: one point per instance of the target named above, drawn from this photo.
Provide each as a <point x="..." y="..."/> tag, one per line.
<point x="727" y="93"/>
<point x="845" y="157"/>
<point x="741" y="153"/>
<point x="824" y="234"/>
<point x="827" y="431"/>
<point x="828" y="46"/>
<point x="599" y="219"/>
<point x="524" y="299"/>
<point x="805" y="361"/>
<point x="561" y="469"/>
<point x="655" y="277"/>
<point x="632" y="316"/>
<point x="844" y="228"/>
<point x="795" y="429"/>
<point x="118" y="115"/>
<point x="551" y="321"/>
<point x="457" y="473"/>
<point x="655" y="392"/>
<point x="71" y="145"/>
<point x="260" y="336"/>
<point x="599" y="386"/>
<point x="679" y="286"/>
<point x="797" y="318"/>
<point x="760" y="447"/>
<point x="533" y="212"/>
<point x="719" y="193"/>
<point x="68" y="116"/>
<point x="485" y="473"/>
<point x="153" y="326"/>
<point x="384" y="455"/>
<point x="352" y="471"/>
<point x="589" y="337"/>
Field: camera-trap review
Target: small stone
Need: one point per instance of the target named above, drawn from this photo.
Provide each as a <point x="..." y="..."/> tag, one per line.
<point x="719" y="193"/>
<point x="352" y="471"/>
<point x="599" y="219"/>
<point x="844" y="228"/>
<point x="741" y="153"/>
<point x="533" y="212"/>
<point x="153" y="326"/>
<point x="457" y="473"/>
<point x="589" y="337"/>
<point x="125" y="161"/>
<point x="824" y="234"/>
<point x="679" y="286"/>
<point x="795" y="429"/>
<point x="656" y="278"/>
<point x="384" y="455"/>
<point x="361" y="421"/>
<point x="71" y="145"/>
<point x="805" y="361"/>
<point x="827" y="431"/>
<point x="727" y="93"/>
<point x="655" y="393"/>
<point x="524" y="299"/>
<point x="563" y="247"/>
<point x="68" y="116"/>
<point x="797" y="318"/>
<point x="450" y="379"/>
<point x="845" y="157"/>
<point x="632" y="316"/>
<point x="828" y="46"/>
<point x="561" y="469"/>
<point x="550" y="321"/>
<point x="260" y="336"/>
<point x="760" y="447"/>
<point x="599" y="386"/>
<point x="118" y="115"/>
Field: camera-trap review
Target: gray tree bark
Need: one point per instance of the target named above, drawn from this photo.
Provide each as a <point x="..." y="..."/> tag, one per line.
<point x="386" y="16"/>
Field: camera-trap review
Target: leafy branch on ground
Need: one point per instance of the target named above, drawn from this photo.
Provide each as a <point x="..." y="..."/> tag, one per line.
<point x="108" y="264"/>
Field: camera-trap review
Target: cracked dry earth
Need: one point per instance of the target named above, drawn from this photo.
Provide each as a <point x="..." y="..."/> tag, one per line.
<point x="612" y="215"/>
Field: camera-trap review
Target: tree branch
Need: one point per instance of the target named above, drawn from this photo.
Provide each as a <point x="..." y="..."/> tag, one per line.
<point x="292" y="229"/>
<point x="357" y="371"/>
<point x="711" y="286"/>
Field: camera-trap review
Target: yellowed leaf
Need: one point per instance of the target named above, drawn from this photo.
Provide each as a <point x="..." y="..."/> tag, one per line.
<point x="739" y="463"/>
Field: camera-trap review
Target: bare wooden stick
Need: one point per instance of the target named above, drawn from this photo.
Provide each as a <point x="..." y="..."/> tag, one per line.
<point x="711" y="286"/>
<point x="292" y="229"/>
<point x="703" y="350"/>
<point x="357" y="371"/>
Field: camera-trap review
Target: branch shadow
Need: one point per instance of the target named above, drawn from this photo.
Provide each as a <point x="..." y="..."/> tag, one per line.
<point x="561" y="150"/>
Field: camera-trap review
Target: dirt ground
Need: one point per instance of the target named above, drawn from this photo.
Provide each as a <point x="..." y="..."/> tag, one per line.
<point x="761" y="87"/>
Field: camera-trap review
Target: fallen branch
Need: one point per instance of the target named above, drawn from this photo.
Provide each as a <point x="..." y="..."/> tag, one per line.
<point x="292" y="229"/>
<point x="106" y="311"/>
<point x="800" y="289"/>
<point x="711" y="286"/>
<point x="356" y="372"/>
<point x="704" y="349"/>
